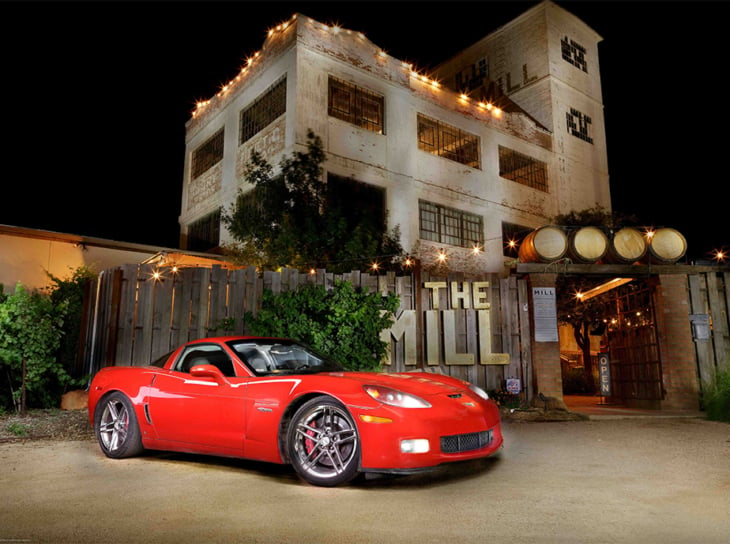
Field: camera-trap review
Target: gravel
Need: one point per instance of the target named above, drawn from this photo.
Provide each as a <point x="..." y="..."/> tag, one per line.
<point x="46" y="425"/>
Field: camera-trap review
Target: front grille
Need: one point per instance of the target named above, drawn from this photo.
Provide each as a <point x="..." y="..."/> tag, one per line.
<point x="458" y="443"/>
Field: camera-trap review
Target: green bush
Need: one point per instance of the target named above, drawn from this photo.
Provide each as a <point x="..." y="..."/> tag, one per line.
<point x="716" y="397"/>
<point x="343" y="322"/>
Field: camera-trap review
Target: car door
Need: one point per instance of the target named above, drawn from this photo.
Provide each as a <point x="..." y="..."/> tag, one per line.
<point x="199" y="414"/>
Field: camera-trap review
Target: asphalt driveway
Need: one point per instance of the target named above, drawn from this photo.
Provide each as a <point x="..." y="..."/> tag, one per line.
<point x="650" y="480"/>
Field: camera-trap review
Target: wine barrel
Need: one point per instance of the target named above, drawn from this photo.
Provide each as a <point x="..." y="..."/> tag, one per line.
<point x="543" y="245"/>
<point x="587" y="245"/>
<point x="667" y="246"/>
<point x="627" y="246"/>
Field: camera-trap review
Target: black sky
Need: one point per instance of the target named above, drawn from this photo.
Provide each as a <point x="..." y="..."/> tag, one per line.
<point x="96" y="96"/>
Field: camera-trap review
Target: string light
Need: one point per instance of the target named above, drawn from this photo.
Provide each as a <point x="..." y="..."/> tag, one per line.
<point x="336" y="29"/>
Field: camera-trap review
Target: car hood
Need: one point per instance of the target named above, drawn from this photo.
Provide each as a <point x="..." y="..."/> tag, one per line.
<point x="421" y="383"/>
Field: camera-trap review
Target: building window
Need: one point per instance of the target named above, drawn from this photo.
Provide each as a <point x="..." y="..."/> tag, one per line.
<point x="574" y="53"/>
<point x="208" y="154"/>
<point x="204" y="234"/>
<point x="578" y="125"/>
<point x="522" y="169"/>
<point x="356" y="105"/>
<point x="449" y="226"/>
<point x="448" y="141"/>
<point x="263" y="111"/>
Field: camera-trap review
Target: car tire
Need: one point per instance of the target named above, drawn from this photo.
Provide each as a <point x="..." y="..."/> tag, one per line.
<point x="116" y="427"/>
<point x="323" y="443"/>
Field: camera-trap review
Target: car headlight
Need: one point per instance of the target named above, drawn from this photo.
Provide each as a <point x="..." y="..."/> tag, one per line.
<point x="393" y="397"/>
<point x="479" y="391"/>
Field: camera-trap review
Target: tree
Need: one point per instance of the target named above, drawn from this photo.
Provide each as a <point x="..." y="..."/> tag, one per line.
<point x="30" y="335"/>
<point x="295" y="219"/>
<point x="69" y="292"/>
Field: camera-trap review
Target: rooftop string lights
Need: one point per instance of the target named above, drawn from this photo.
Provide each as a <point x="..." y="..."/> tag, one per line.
<point x="201" y="105"/>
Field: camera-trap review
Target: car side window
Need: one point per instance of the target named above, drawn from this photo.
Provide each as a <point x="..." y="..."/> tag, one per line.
<point x="256" y="360"/>
<point x="203" y="354"/>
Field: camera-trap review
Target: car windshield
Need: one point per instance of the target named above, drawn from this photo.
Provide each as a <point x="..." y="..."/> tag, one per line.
<point x="282" y="357"/>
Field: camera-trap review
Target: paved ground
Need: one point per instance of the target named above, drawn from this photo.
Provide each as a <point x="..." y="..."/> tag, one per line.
<point x="646" y="480"/>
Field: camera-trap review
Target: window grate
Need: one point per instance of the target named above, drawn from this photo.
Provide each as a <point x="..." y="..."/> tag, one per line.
<point x="449" y="226"/>
<point x="356" y="105"/>
<point x="522" y="169"/>
<point x="207" y="155"/>
<point x="263" y="111"/>
<point x="448" y="141"/>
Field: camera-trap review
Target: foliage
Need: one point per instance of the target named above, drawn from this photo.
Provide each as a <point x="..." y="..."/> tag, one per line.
<point x="343" y="322"/>
<point x="30" y="335"/>
<point x="716" y="397"/>
<point x="597" y="216"/>
<point x="18" y="429"/>
<point x="69" y="293"/>
<point x="294" y="219"/>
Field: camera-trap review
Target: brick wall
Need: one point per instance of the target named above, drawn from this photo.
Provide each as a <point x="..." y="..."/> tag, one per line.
<point x="547" y="373"/>
<point x="679" y="365"/>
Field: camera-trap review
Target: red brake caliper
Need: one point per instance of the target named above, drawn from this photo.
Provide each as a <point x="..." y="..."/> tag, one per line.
<point x="309" y="444"/>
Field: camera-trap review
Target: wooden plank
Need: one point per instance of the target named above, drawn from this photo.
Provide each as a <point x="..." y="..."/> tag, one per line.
<point x="703" y="348"/>
<point x="719" y="323"/>
<point x="236" y="298"/>
<point x="525" y="339"/>
<point x="127" y="302"/>
<point x="161" y="317"/>
<point x="177" y="313"/>
<point x="142" y="339"/>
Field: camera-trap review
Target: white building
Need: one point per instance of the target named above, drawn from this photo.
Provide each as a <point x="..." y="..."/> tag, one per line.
<point x="497" y="141"/>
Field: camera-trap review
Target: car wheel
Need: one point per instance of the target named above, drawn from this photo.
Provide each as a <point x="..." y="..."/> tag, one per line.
<point x="323" y="443"/>
<point x="116" y="427"/>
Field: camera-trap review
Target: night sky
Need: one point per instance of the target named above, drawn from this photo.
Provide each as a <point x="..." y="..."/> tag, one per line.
<point x="96" y="96"/>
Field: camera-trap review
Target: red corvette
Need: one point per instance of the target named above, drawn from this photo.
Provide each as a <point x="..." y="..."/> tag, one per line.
<point x="276" y="400"/>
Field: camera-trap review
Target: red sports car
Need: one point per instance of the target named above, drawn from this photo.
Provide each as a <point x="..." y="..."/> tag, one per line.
<point x="276" y="400"/>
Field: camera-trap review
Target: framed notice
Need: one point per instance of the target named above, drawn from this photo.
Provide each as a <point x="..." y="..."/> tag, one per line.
<point x="546" y="314"/>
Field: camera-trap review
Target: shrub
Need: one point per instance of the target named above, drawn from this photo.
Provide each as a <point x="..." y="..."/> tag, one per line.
<point x="716" y="397"/>
<point x="343" y="322"/>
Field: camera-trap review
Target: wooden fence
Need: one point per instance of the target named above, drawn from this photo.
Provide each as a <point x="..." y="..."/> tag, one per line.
<point x="709" y="294"/>
<point x="472" y="329"/>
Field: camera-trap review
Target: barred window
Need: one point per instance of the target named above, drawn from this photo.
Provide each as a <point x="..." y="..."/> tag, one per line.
<point x="522" y="169"/>
<point x="208" y="154"/>
<point x="204" y="234"/>
<point x="449" y="226"/>
<point x="356" y="105"/>
<point x="263" y="111"/>
<point x="448" y="141"/>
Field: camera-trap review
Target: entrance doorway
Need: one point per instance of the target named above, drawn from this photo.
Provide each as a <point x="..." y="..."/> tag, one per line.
<point x="628" y="333"/>
<point x="633" y="346"/>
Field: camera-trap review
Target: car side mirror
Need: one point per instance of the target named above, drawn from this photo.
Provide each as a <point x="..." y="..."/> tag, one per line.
<point x="209" y="371"/>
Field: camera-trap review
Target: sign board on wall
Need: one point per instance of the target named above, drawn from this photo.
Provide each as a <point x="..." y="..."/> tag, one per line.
<point x="546" y="314"/>
<point x="604" y="375"/>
